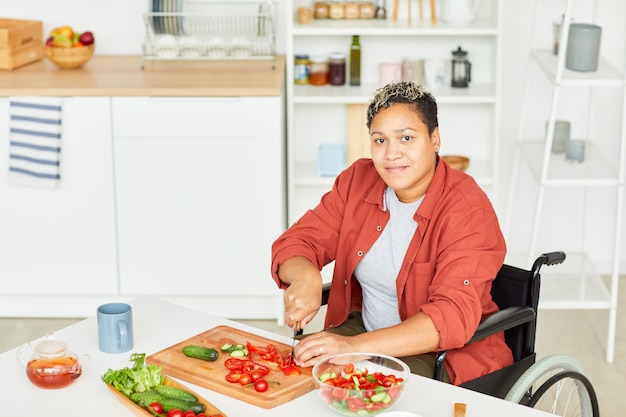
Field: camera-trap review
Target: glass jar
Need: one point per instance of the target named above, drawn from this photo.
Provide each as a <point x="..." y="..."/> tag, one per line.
<point x="337" y="69"/>
<point x="351" y="10"/>
<point x="337" y="10"/>
<point x="318" y="74"/>
<point x="301" y="65"/>
<point x="320" y="10"/>
<point x="367" y="10"/>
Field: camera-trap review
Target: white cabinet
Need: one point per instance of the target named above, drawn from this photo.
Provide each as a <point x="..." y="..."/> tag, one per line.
<point x="567" y="193"/>
<point x="469" y="117"/>
<point x="200" y="199"/>
<point x="57" y="245"/>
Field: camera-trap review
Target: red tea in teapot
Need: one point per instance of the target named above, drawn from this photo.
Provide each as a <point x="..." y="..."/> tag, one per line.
<point x="53" y="373"/>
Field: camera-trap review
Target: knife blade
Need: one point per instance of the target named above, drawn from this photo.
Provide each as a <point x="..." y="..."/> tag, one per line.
<point x="296" y="330"/>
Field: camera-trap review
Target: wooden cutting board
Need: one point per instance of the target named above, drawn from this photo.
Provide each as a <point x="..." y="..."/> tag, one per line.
<point x="211" y="375"/>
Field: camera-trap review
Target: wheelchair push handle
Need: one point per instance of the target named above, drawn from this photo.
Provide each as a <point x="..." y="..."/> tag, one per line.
<point x="550" y="258"/>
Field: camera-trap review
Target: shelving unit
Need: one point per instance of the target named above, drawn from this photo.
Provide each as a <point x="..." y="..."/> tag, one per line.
<point x="577" y="285"/>
<point x="336" y="114"/>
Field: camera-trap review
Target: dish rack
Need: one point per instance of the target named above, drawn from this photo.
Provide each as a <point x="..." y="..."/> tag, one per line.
<point x="212" y="30"/>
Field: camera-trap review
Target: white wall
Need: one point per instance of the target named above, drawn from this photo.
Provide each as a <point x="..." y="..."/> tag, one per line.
<point x="119" y="30"/>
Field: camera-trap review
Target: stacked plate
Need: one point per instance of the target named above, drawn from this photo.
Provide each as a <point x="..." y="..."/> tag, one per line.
<point x="164" y="24"/>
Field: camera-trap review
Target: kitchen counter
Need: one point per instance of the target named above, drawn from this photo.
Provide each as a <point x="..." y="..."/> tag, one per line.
<point x="153" y="331"/>
<point x="123" y="76"/>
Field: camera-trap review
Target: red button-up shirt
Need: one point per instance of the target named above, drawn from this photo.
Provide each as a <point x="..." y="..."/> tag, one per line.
<point x="450" y="263"/>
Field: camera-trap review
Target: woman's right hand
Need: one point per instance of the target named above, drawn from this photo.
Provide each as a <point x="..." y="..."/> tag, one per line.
<point x="303" y="297"/>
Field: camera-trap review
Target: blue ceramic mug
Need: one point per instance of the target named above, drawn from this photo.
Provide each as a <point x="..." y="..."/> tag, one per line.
<point x="115" y="327"/>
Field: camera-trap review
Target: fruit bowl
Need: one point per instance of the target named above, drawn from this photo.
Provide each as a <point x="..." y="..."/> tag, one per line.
<point x="360" y="384"/>
<point x="457" y="161"/>
<point x="68" y="58"/>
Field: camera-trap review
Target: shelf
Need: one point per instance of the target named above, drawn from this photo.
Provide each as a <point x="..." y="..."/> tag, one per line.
<point x="606" y="74"/>
<point x="474" y="94"/>
<point x="306" y="174"/>
<point x="386" y="27"/>
<point x="595" y="170"/>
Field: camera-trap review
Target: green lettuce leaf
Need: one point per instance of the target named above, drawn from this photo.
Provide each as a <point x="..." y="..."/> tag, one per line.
<point x="139" y="378"/>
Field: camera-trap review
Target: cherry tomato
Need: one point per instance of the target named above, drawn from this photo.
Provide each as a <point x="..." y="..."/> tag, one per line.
<point x="175" y="412"/>
<point x="261" y="385"/>
<point x="201" y="415"/>
<point x="348" y="369"/>
<point x="156" y="407"/>
<point x="245" y="379"/>
<point x="257" y="374"/>
<point x="189" y="413"/>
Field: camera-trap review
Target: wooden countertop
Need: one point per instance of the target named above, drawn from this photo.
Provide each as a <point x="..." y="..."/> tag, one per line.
<point x="123" y="76"/>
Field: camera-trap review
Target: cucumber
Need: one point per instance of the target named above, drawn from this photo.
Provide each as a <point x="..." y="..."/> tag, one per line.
<point x="146" y="398"/>
<point x="201" y="352"/>
<point x="170" y="403"/>
<point x="176" y="393"/>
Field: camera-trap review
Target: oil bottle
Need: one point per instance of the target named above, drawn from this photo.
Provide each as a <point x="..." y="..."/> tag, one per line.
<point x="355" y="61"/>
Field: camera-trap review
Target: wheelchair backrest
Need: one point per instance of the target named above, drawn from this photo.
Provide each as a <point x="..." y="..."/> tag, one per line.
<point x="517" y="287"/>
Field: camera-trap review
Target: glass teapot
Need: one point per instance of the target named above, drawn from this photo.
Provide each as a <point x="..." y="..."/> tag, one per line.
<point x="49" y="364"/>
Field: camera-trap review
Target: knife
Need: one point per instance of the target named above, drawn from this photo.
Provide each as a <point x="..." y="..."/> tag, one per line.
<point x="296" y="330"/>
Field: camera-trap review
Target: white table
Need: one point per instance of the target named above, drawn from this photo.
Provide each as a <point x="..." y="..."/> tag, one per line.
<point x="158" y="325"/>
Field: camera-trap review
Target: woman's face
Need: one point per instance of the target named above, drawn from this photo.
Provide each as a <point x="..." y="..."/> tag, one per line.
<point x="403" y="152"/>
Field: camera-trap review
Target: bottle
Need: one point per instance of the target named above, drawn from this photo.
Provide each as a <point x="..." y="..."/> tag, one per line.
<point x="355" y="61"/>
<point x="381" y="11"/>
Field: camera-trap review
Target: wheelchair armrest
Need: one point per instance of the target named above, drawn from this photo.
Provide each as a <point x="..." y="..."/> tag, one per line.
<point x="503" y="320"/>
<point x="499" y="321"/>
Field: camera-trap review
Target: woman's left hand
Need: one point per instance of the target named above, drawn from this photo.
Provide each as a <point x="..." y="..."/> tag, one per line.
<point x="315" y="347"/>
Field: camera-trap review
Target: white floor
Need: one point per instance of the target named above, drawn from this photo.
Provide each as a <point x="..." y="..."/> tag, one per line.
<point x="581" y="334"/>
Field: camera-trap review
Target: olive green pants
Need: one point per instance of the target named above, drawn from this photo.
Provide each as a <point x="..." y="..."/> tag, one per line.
<point x="423" y="364"/>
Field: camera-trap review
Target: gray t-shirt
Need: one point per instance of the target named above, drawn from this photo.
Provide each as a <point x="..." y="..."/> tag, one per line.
<point x="378" y="270"/>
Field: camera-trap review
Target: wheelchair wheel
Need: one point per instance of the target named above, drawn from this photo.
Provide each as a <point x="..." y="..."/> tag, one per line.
<point x="556" y="384"/>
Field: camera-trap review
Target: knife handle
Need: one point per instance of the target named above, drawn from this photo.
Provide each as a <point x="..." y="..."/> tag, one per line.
<point x="297" y="327"/>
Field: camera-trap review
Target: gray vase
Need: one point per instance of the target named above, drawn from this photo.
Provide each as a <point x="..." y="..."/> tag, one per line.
<point x="583" y="47"/>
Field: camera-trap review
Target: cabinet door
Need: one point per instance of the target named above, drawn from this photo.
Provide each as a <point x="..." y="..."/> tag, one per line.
<point x="62" y="241"/>
<point x="197" y="213"/>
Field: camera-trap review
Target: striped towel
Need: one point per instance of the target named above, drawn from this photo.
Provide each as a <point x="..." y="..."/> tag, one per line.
<point x="35" y="141"/>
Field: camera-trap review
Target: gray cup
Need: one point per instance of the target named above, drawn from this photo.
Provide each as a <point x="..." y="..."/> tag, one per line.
<point x="561" y="135"/>
<point x="575" y="151"/>
<point x="115" y="327"/>
<point x="583" y="47"/>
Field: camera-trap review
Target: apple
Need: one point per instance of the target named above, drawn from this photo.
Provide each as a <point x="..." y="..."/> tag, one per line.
<point x="49" y="41"/>
<point x="86" y="38"/>
<point x="64" y="31"/>
<point x="62" y="41"/>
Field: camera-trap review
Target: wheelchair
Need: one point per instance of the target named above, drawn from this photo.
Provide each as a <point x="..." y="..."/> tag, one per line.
<point x="556" y="383"/>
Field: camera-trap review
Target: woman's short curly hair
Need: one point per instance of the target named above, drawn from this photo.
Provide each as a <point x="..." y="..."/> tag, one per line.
<point x="406" y="92"/>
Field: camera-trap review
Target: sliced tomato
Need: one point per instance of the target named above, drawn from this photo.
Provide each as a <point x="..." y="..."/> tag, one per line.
<point x="291" y="370"/>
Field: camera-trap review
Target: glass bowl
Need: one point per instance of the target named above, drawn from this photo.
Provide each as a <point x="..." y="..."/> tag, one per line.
<point x="360" y="384"/>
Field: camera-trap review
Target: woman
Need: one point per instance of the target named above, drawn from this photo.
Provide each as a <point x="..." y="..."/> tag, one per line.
<point x="416" y="245"/>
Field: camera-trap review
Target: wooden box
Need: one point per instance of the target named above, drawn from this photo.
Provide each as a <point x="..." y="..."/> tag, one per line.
<point x="20" y="42"/>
